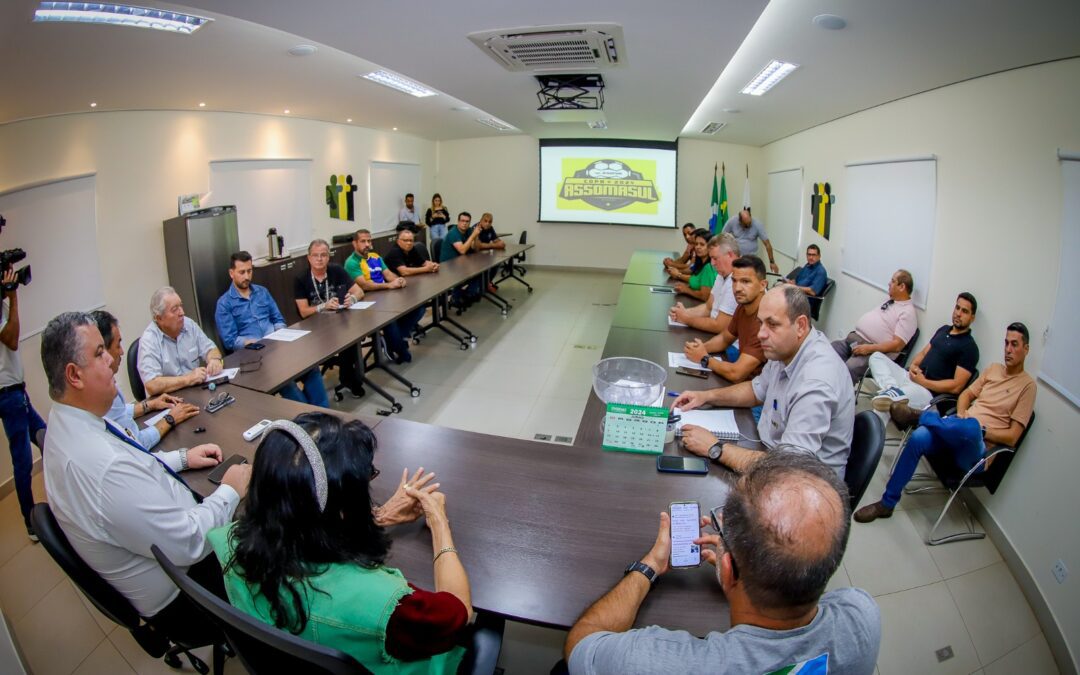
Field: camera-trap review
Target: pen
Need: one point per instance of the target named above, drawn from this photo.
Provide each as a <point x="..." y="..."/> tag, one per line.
<point x="673" y="393"/>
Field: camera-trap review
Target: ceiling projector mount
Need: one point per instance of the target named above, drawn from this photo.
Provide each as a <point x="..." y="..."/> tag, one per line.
<point x="571" y="92"/>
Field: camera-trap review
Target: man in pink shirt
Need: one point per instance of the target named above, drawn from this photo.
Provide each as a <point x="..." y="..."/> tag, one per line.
<point x="883" y="329"/>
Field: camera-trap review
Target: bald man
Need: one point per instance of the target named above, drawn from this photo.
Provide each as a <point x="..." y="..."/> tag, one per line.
<point x="778" y="539"/>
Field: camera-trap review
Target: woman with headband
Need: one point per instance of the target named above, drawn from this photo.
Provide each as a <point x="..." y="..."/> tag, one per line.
<point x="308" y="553"/>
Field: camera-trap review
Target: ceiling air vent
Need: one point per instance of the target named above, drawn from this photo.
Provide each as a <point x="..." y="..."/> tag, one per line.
<point x="586" y="47"/>
<point x="494" y="123"/>
<point x="712" y="127"/>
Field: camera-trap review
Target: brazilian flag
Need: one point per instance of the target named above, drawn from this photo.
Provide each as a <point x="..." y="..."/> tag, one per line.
<point x="718" y="213"/>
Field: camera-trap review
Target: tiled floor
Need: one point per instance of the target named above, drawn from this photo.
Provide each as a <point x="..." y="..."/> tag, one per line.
<point x="530" y="373"/>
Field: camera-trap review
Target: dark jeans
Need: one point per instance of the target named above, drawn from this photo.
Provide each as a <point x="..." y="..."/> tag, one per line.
<point x="398" y="333"/>
<point x="314" y="391"/>
<point x="21" y="425"/>
<point x="959" y="437"/>
<point x="182" y="621"/>
<point x="470" y="290"/>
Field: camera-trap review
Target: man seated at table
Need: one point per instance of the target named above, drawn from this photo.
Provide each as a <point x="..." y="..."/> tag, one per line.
<point x="994" y="410"/>
<point x="688" y="235"/>
<point x="748" y="282"/>
<point x="714" y="314"/>
<point x="944" y="366"/>
<point x="808" y="402"/>
<point x="489" y="240"/>
<point x="114" y="499"/>
<point x="327" y="287"/>
<point x="406" y="258"/>
<point x="124" y="413"/>
<point x="174" y="352"/>
<point x="246" y="313"/>
<point x="812" y="277"/>
<point x="698" y="281"/>
<point x="367" y="269"/>
<point x="778" y="539"/>
<point x="748" y="230"/>
<point x="884" y="329"/>
<point x="461" y="240"/>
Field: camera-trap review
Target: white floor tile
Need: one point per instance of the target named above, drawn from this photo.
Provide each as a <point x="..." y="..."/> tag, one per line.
<point x="995" y="611"/>
<point x="530" y="650"/>
<point x="840" y="579"/>
<point x="512" y="378"/>
<point x="59" y="614"/>
<point x="959" y="557"/>
<point x="26" y="579"/>
<point x="1031" y="658"/>
<point x="888" y="555"/>
<point x="498" y="414"/>
<point x="915" y="624"/>
<point x="105" y="660"/>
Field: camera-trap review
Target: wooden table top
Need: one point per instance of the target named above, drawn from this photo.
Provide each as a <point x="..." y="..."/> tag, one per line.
<point x="646" y="268"/>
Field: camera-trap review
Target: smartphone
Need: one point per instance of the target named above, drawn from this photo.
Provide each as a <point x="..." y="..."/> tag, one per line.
<point x="662" y="289"/>
<point x="692" y="372"/>
<point x="685" y="528"/>
<point x="219" y="471"/>
<point x="254" y="346"/>
<point x="676" y="464"/>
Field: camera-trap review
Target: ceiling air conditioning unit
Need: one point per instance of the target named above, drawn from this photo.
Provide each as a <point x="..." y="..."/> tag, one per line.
<point x="563" y="49"/>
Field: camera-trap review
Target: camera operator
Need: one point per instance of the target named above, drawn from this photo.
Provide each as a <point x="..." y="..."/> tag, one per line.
<point x="21" y="422"/>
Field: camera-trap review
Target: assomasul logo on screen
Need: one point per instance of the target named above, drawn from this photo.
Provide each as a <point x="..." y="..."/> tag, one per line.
<point x="609" y="185"/>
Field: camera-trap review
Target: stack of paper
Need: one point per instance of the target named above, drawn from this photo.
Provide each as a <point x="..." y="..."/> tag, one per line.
<point x="721" y="423"/>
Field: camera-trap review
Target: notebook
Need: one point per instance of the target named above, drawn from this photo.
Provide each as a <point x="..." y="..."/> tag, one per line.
<point x="721" y="423"/>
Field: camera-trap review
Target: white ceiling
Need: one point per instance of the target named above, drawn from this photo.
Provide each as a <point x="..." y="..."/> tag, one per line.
<point x="687" y="59"/>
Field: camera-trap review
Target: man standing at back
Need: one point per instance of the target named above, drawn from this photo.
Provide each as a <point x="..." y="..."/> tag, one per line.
<point x="778" y="539"/>
<point x="246" y="313"/>
<point x="366" y="268"/>
<point x="748" y="230"/>
<point x="886" y="329"/>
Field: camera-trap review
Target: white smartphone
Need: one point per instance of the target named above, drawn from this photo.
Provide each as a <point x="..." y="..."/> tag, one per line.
<point x="685" y="528"/>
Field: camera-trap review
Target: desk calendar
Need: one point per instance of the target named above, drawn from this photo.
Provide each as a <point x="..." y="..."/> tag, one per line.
<point x="635" y="428"/>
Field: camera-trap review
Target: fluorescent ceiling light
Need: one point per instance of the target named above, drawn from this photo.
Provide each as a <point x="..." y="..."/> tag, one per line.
<point x="494" y="123"/>
<point x="769" y="76"/>
<point x="120" y="15"/>
<point x="404" y="84"/>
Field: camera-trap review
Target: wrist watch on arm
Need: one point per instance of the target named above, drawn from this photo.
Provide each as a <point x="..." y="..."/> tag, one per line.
<point x="705" y="361"/>
<point x="715" y="451"/>
<point x="170" y="420"/>
<point x="638" y="566"/>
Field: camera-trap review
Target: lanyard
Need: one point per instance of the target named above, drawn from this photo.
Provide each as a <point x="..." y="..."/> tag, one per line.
<point x="126" y="437"/>
<point x="326" y="284"/>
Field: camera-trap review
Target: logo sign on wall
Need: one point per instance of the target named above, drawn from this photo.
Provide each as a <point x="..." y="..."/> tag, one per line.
<point x="821" y="202"/>
<point x="339" y="197"/>
<point x="609" y="185"/>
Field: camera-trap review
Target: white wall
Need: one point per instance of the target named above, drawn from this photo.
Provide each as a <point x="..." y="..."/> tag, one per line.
<point x="143" y="160"/>
<point x="500" y="175"/>
<point x="998" y="232"/>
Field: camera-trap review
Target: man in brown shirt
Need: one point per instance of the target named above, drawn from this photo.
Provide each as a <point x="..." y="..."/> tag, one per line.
<point x="994" y="410"/>
<point x="748" y="284"/>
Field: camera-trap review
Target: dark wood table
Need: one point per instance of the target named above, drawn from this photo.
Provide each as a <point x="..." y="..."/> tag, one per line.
<point x="641" y="309"/>
<point x="647" y="268"/>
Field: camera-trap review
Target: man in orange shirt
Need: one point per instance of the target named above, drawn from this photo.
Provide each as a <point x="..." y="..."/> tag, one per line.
<point x="994" y="410"/>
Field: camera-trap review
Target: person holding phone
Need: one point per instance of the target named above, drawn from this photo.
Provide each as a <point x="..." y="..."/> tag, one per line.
<point x="780" y="537"/>
<point x="436" y="218"/>
<point x="310" y="523"/>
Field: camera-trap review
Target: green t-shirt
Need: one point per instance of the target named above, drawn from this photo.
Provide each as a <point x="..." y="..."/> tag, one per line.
<point x="705" y="277"/>
<point x="453" y="236"/>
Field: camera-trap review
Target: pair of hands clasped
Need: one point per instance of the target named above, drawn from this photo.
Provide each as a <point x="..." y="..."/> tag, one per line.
<point x="212" y="368"/>
<point x="414" y="497"/>
<point x="659" y="556"/>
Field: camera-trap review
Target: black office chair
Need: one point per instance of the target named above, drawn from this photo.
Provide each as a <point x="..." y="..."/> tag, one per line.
<point x="816" y="301"/>
<point x="436" y="249"/>
<point x="867" y="442"/>
<point x="137" y="388"/>
<point x="954" y="480"/>
<point x="514" y="268"/>
<point x="108" y="600"/>
<point x="901" y="360"/>
<point x="263" y="648"/>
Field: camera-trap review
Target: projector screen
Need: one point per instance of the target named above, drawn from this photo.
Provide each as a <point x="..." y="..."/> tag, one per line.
<point x="608" y="182"/>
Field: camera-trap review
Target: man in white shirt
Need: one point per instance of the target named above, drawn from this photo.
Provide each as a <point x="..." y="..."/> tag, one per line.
<point x="715" y="313"/>
<point x="173" y="348"/>
<point x="113" y="498"/>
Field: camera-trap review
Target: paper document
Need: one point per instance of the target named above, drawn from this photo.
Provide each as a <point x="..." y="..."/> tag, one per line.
<point x="362" y="305"/>
<point x="287" y="334"/>
<point x="721" y="423"/>
<point x="679" y="360"/>
<point x="673" y="322"/>
<point x="228" y="372"/>
<point x="153" y="419"/>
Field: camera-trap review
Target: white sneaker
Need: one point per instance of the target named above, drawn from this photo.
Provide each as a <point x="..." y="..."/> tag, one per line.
<point x="887" y="397"/>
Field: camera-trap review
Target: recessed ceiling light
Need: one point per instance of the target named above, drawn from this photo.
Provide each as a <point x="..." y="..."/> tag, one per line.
<point x="202" y="104"/>
<point x="461" y="108"/>
<point x="349" y="119"/>
<point x="600" y="125"/>
<point x="395" y="129"/>
<point x="403" y="84"/>
<point x="119" y="15"/>
<point x="731" y="111"/>
<point x="286" y="111"/>
<point x="494" y="123"/>
<point x="93" y="104"/>
<point x="769" y="76"/>
<point x="829" y="21"/>
<point x="303" y="50"/>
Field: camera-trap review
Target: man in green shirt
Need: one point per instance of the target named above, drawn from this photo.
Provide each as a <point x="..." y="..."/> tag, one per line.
<point x="367" y="270"/>
<point x="461" y="240"/>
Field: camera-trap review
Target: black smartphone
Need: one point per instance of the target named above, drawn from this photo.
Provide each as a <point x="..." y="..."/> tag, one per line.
<point x="219" y="471"/>
<point x="668" y="290"/>
<point x="254" y="346"/>
<point x="692" y="372"/>
<point x="685" y="528"/>
<point x="676" y="464"/>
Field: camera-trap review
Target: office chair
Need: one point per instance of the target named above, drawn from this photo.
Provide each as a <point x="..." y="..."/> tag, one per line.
<point x="901" y="360"/>
<point x="514" y="268"/>
<point x="867" y="442"/>
<point x="108" y="600"/>
<point x="137" y="388"/>
<point x="954" y="480"/>
<point x="436" y="249"/>
<point x="814" y="300"/>
<point x="263" y="648"/>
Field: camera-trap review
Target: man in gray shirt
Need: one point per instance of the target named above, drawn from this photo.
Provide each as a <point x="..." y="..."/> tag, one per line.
<point x="173" y="349"/>
<point x="747" y="230"/>
<point x="804" y="388"/>
<point x="779" y="538"/>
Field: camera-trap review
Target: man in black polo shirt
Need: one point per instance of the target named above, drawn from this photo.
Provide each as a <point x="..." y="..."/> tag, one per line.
<point x="406" y="259"/>
<point x="944" y="366"/>
<point x="488" y="239"/>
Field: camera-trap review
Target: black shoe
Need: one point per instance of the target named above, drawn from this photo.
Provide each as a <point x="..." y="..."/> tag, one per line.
<point x="30" y="533"/>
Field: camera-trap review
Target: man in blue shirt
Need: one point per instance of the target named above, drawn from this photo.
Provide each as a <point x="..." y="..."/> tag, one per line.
<point x="812" y="278"/>
<point x="246" y="313"/>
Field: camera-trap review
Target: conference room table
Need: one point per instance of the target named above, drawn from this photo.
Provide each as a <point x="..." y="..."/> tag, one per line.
<point x="646" y="268"/>
<point x="641" y="308"/>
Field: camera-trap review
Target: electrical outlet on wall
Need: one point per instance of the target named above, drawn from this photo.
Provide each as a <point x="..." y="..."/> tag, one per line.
<point x="1060" y="572"/>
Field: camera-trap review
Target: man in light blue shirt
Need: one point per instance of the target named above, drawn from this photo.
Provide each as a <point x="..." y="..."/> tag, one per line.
<point x="174" y="352"/>
<point x="747" y="230"/>
<point x="246" y="313"/>
<point x="812" y="278"/>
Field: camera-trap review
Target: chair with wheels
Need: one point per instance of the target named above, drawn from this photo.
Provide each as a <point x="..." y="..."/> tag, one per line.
<point x="137" y="388"/>
<point x="867" y="442"/>
<point x="814" y="300"/>
<point x="901" y="360"/>
<point x="109" y="601"/>
<point x="514" y="268"/>
<point x="985" y="473"/>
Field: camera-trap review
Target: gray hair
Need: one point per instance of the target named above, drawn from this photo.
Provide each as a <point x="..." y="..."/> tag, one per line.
<point x="317" y="242"/>
<point x="726" y="241"/>
<point x="62" y="344"/>
<point x="157" y="300"/>
<point x="797" y="304"/>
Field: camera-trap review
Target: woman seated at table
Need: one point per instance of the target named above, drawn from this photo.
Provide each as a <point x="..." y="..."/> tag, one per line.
<point x="307" y="554"/>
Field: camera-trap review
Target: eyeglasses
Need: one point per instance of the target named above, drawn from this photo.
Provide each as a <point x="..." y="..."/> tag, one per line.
<point x="251" y="366"/>
<point x="374" y="473"/>
<point x="713" y="515"/>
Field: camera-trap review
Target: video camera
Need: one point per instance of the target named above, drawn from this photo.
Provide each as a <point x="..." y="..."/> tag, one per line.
<point x="9" y="259"/>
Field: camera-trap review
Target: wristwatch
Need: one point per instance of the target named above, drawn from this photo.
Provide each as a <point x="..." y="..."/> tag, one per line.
<point x="715" y="451"/>
<point x="638" y="566"/>
<point x="170" y="420"/>
<point x="705" y="361"/>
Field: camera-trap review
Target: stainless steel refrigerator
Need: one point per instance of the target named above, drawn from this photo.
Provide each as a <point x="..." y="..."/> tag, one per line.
<point x="197" y="250"/>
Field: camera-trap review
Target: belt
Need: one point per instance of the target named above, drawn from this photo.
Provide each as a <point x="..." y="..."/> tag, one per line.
<point x="21" y="386"/>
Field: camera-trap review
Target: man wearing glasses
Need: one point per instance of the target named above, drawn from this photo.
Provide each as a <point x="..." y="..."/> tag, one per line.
<point x="779" y="538"/>
<point x="885" y="329"/>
